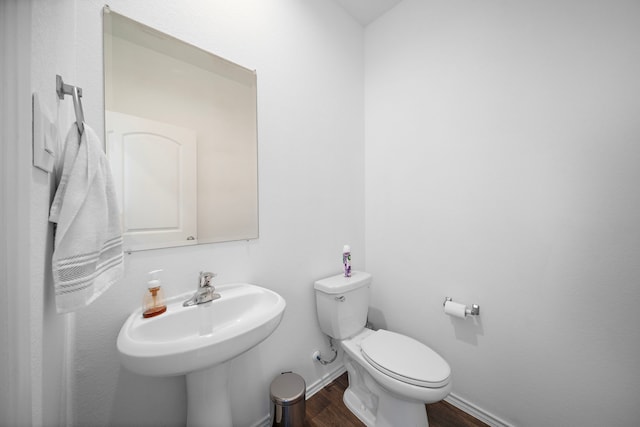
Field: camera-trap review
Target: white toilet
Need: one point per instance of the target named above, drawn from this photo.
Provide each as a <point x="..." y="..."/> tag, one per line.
<point x="391" y="376"/>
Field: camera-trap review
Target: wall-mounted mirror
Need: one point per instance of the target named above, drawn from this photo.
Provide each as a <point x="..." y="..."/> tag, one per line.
<point x="181" y="138"/>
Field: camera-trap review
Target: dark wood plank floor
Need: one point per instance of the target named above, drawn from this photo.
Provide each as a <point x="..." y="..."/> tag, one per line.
<point x="326" y="409"/>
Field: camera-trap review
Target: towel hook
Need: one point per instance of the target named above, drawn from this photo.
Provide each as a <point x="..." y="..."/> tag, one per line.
<point x="63" y="89"/>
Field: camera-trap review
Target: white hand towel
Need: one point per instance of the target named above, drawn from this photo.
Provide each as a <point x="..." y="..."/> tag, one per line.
<point x="87" y="256"/>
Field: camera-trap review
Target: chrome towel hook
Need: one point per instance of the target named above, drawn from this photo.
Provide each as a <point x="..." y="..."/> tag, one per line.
<point x="63" y="89"/>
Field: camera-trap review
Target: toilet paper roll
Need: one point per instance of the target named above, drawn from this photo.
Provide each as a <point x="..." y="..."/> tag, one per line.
<point x="455" y="309"/>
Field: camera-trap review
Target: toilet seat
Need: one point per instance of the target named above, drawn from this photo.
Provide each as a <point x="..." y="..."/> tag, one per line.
<point x="405" y="359"/>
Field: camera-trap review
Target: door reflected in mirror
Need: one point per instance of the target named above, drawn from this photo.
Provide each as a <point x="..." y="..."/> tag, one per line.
<point x="181" y="137"/>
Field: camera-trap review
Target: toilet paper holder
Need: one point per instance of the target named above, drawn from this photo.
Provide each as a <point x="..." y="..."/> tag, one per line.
<point x="473" y="311"/>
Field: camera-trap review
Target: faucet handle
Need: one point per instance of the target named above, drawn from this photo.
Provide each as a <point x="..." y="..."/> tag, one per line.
<point x="205" y="278"/>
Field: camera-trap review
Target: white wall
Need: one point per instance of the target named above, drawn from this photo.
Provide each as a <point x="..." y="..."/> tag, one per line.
<point x="309" y="62"/>
<point x="502" y="168"/>
<point x="52" y="52"/>
<point x="33" y="338"/>
<point x="15" y="172"/>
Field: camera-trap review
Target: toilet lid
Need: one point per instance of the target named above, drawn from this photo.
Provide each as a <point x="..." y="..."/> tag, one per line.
<point x="405" y="359"/>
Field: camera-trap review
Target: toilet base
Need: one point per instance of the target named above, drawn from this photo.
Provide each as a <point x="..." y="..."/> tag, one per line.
<point x="360" y="410"/>
<point x="377" y="407"/>
<point x="384" y="402"/>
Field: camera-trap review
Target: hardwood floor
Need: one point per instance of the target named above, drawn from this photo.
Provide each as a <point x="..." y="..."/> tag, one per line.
<point x="326" y="409"/>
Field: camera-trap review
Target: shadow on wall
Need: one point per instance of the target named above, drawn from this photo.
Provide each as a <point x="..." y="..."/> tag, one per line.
<point x="376" y="319"/>
<point x="468" y="330"/>
<point x="144" y="396"/>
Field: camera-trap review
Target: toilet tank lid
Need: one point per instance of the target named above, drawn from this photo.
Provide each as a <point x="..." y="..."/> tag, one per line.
<point x="339" y="284"/>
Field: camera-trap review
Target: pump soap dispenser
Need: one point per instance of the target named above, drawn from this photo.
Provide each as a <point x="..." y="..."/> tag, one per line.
<point x="153" y="303"/>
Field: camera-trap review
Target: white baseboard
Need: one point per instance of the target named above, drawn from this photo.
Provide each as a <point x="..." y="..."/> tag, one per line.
<point x="482" y="415"/>
<point x="325" y="380"/>
<point x="263" y="422"/>
<point x="310" y="391"/>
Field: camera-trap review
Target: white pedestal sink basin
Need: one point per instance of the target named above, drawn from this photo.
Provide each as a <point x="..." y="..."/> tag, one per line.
<point x="197" y="341"/>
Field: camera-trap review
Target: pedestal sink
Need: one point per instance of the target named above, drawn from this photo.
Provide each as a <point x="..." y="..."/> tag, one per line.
<point x="198" y="341"/>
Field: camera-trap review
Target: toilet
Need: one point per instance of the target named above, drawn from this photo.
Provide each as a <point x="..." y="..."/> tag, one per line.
<point x="391" y="376"/>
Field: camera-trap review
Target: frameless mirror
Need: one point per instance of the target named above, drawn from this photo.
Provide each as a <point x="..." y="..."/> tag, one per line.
<point x="181" y="138"/>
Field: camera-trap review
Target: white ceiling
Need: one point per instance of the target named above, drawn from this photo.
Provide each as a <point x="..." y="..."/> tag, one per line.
<point x="366" y="11"/>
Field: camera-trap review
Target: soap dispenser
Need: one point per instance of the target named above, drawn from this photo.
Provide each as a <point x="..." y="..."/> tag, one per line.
<point x="153" y="303"/>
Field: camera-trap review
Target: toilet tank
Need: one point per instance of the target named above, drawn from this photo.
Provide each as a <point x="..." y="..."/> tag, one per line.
<point x="342" y="304"/>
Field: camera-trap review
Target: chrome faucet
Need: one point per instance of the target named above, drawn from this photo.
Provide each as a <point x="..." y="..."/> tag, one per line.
<point x="205" y="292"/>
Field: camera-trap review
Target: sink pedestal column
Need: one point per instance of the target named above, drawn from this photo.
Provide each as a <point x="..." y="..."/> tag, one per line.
<point x="208" y="402"/>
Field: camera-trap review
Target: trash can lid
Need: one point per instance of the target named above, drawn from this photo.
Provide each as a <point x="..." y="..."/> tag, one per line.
<point x="287" y="389"/>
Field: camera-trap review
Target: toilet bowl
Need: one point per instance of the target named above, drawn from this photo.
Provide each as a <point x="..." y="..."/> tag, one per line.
<point x="391" y="376"/>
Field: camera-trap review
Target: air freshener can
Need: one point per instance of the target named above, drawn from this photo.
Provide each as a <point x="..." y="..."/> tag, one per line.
<point x="346" y="260"/>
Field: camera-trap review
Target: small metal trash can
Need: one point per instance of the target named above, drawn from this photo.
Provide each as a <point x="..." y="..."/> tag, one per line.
<point x="288" y="396"/>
